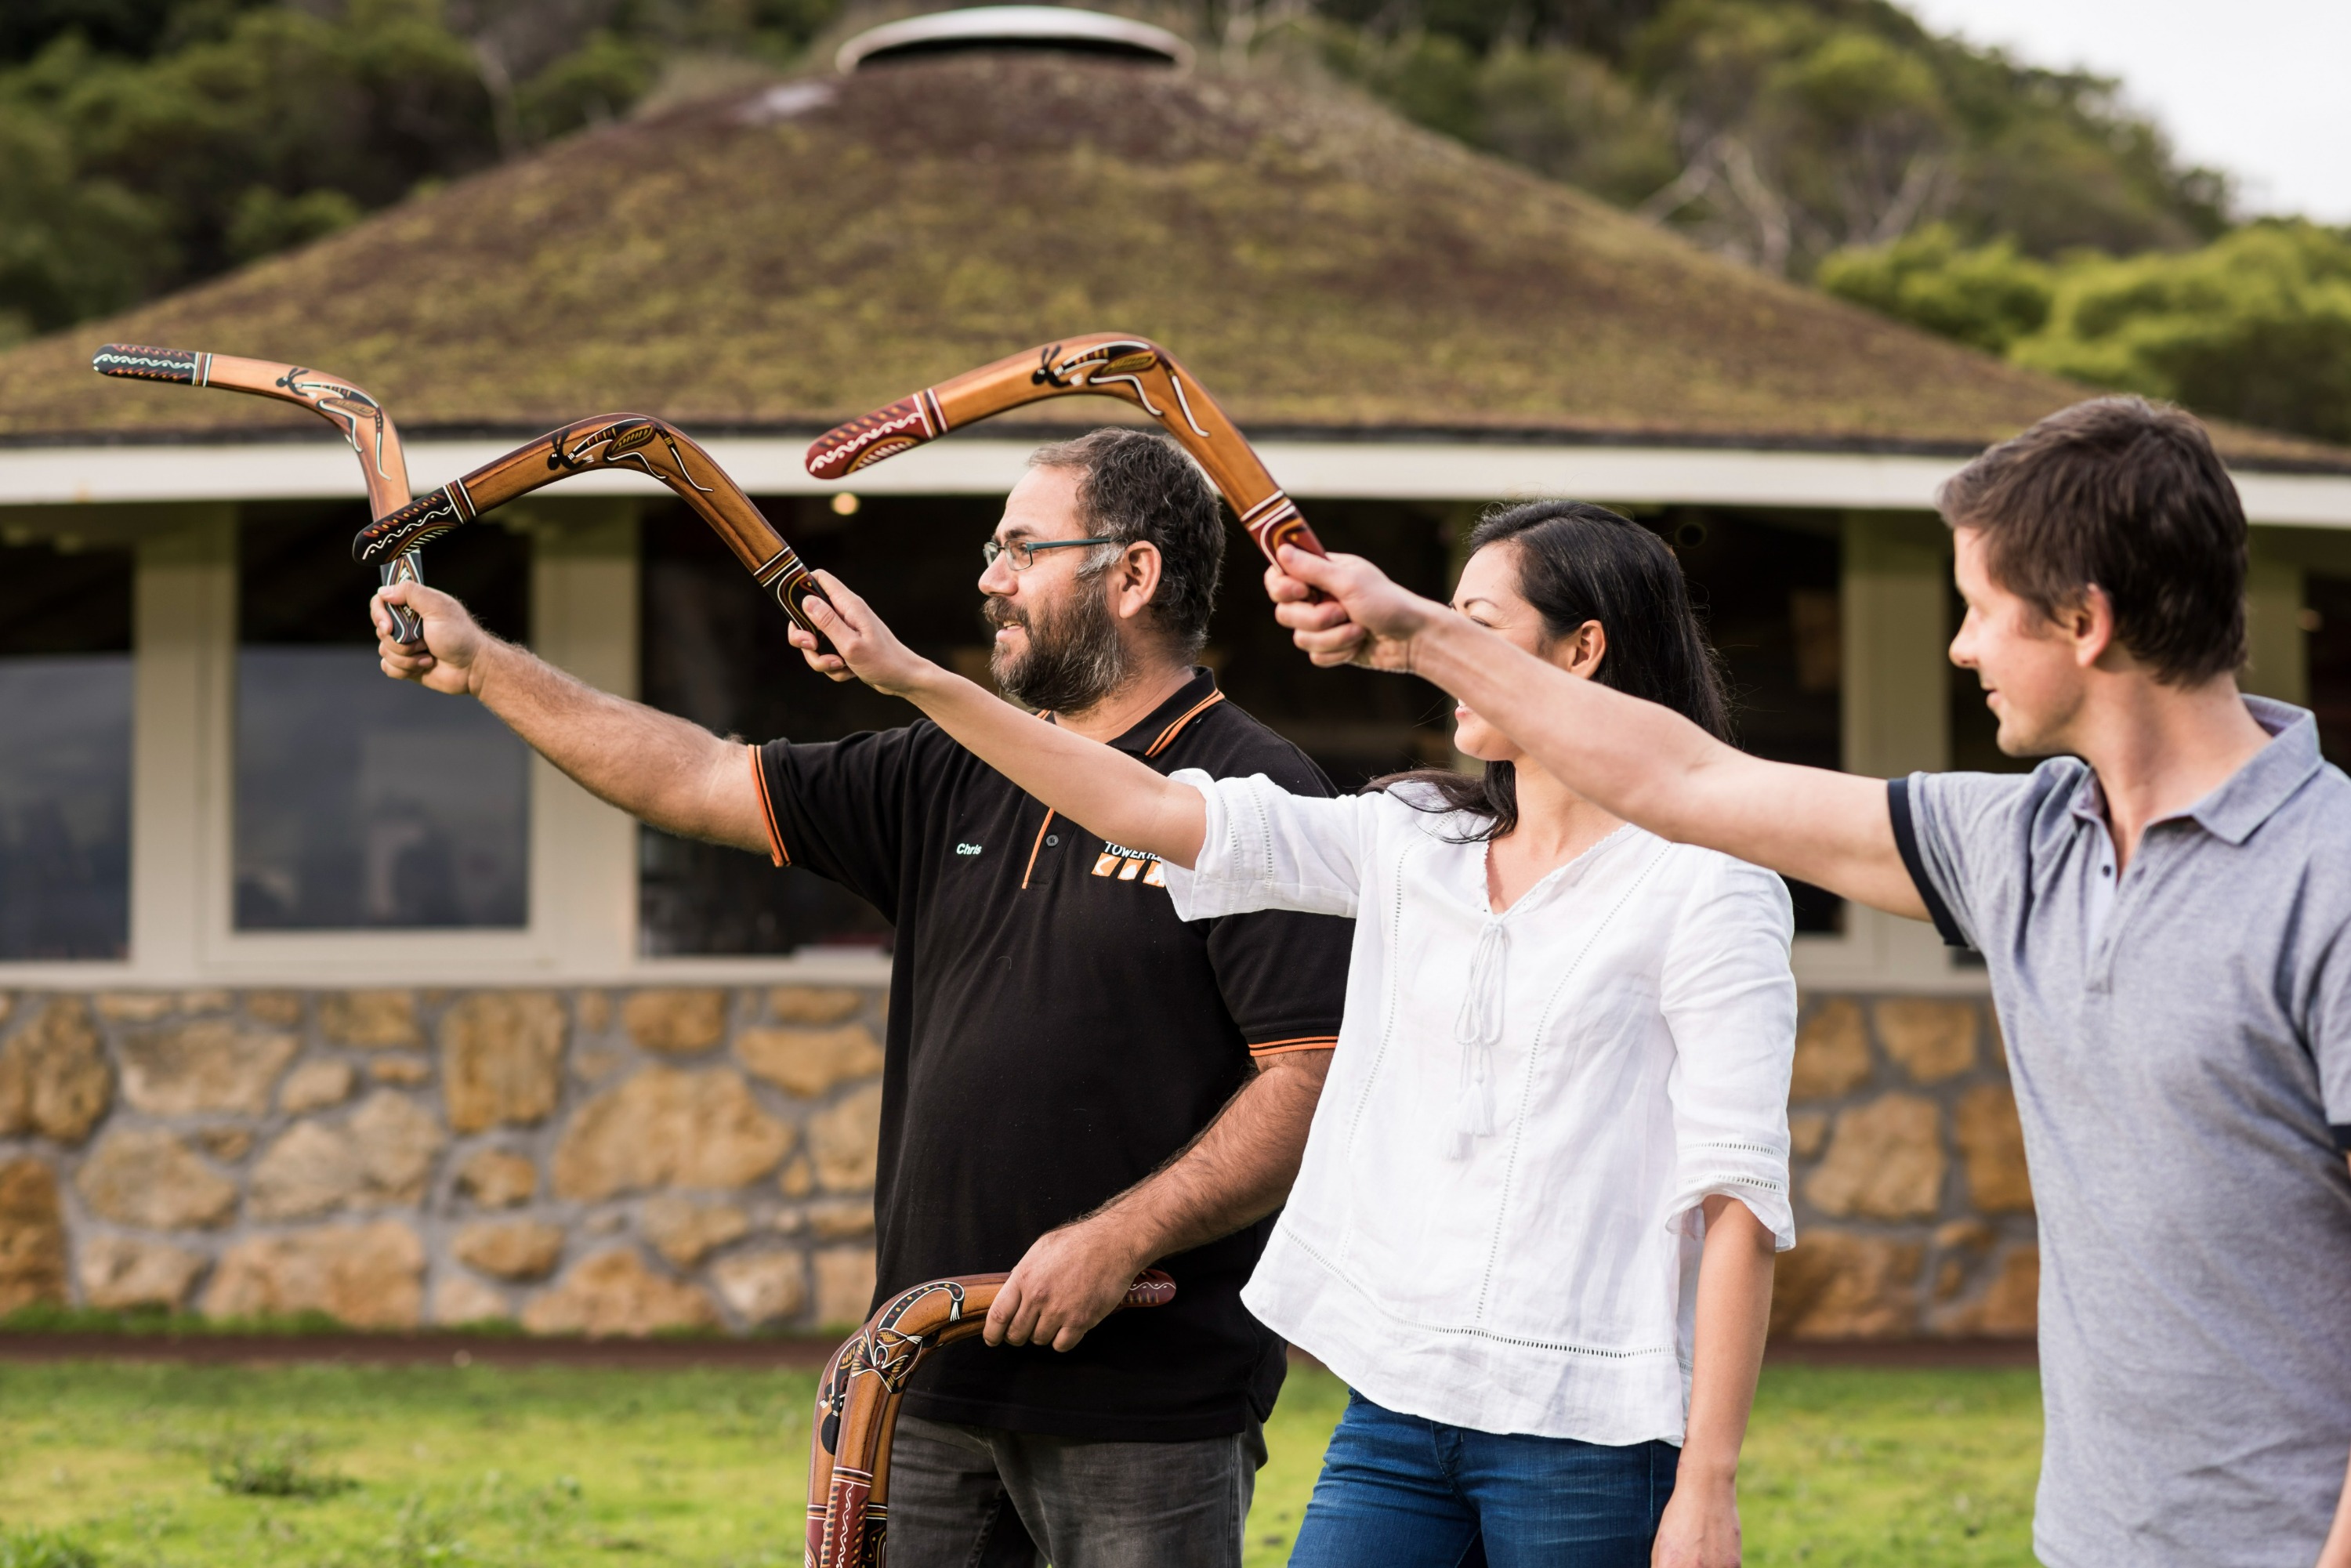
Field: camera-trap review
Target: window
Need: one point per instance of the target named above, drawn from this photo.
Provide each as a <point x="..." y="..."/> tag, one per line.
<point x="363" y="802"/>
<point x="2327" y="617"/>
<point x="65" y="766"/>
<point x="1767" y="584"/>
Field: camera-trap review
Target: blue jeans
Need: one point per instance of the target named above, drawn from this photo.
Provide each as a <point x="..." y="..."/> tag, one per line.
<point x="1408" y="1493"/>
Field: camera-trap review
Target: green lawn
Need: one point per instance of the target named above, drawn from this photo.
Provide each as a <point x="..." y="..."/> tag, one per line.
<point x="124" y="1465"/>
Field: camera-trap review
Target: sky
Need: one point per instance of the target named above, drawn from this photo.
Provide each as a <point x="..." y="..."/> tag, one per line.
<point x="2257" y="88"/>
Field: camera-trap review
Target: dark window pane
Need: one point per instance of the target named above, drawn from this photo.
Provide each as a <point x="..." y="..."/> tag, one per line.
<point x="65" y="766"/>
<point x="1768" y="585"/>
<point x="361" y="801"/>
<point x="2326" y="616"/>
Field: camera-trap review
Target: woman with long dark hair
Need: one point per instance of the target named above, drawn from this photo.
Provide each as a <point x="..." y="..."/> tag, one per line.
<point x="1535" y="1221"/>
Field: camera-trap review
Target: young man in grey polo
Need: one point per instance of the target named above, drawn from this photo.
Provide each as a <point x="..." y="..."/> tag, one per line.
<point x="2165" y="907"/>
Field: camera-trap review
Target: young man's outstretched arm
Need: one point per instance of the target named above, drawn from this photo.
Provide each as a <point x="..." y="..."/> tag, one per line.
<point x="1635" y="760"/>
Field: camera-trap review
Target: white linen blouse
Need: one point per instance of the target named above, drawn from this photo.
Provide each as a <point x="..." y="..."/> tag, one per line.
<point x="1496" y="1225"/>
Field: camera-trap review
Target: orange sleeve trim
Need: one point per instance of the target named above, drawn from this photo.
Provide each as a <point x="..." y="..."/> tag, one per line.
<point x="766" y="809"/>
<point x="1160" y="744"/>
<point x="1282" y="1047"/>
<point x="1035" y="847"/>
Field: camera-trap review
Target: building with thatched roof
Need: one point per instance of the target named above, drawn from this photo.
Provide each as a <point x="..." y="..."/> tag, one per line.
<point x="210" y="791"/>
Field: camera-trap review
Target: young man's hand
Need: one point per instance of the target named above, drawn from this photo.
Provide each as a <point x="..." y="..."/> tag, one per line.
<point x="445" y="659"/>
<point x="863" y="647"/>
<point x="1068" y="1281"/>
<point x="1365" y="619"/>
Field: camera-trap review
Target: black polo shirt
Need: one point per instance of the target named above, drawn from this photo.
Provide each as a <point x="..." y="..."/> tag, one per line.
<point x="1055" y="1035"/>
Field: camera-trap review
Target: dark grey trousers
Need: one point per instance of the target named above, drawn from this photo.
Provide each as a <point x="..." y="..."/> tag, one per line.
<point x="979" y="1497"/>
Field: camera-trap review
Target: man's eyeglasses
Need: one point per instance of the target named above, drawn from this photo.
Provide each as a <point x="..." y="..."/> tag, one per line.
<point x="1024" y="551"/>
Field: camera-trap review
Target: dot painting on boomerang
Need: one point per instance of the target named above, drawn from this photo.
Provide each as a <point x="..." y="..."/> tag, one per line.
<point x="633" y="441"/>
<point x="1105" y="364"/>
<point x="857" y="1407"/>
<point x="364" y="422"/>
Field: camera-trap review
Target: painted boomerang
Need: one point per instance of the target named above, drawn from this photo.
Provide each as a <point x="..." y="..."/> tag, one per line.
<point x="857" y="1407"/>
<point x="361" y="419"/>
<point x="1107" y="364"/>
<point x="636" y="441"/>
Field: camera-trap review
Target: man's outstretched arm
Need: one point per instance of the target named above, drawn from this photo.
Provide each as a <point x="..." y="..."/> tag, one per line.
<point x="1635" y="760"/>
<point x="655" y="766"/>
<point x="1236" y="1171"/>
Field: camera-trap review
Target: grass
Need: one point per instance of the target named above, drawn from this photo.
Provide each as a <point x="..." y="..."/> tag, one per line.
<point x="113" y="1465"/>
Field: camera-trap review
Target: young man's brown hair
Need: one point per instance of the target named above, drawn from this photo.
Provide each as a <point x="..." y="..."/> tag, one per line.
<point x="2127" y="496"/>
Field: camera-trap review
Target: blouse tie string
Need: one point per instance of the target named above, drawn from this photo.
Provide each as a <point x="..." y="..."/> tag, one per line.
<point x="1477" y="1030"/>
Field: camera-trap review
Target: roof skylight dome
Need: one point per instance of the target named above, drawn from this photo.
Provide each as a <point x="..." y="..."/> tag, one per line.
<point x="1057" y="28"/>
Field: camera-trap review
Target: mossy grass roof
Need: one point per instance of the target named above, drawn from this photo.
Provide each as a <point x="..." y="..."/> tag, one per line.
<point x="789" y="257"/>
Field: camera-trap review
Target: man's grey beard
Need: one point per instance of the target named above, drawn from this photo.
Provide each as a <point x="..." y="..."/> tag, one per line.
<point x="1074" y="658"/>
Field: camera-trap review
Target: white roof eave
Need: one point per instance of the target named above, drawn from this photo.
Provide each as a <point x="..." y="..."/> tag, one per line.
<point x="1413" y="469"/>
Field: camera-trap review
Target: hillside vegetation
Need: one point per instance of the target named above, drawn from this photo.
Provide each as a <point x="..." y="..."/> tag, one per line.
<point x="146" y="144"/>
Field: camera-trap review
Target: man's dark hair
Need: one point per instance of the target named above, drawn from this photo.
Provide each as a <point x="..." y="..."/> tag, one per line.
<point x="1579" y="562"/>
<point x="2130" y="496"/>
<point x="1139" y="488"/>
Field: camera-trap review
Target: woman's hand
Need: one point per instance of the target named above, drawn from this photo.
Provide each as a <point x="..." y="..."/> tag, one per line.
<point x="1700" y="1526"/>
<point x="1365" y="619"/>
<point x="864" y="649"/>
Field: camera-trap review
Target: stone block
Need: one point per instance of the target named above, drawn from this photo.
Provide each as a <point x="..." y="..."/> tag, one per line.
<point x="683" y="1231"/>
<point x="593" y="1012"/>
<point x="32" y="1237"/>
<point x="283" y="1009"/>
<point x="403" y="1070"/>
<point x="462" y="1299"/>
<point x="762" y="1287"/>
<point x="844" y="1286"/>
<point x="315" y="1085"/>
<point x="512" y="1248"/>
<point x="145" y="1177"/>
<point x="1991" y="1145"/>
<point x="595" y="1064"/>
<point x="808" y="1062"/>
<point x="613" y="1293"/>
<point x="206" y="1002"/>
<point x="675" y="1022"/>
<point x="1831" y="1052"/>
<point x="501" y="1059"/>
<point x="799" y="1178"/>
<point x="1884" y="1160"/>
<point x="1837" y="1285"/>
<point x="381" y="1158"/>
<point x="663" y="1127"/>
<point x="1933" y="1041"/>
<point x="369" y="1276"/>
<point x="373" y="1020"/>
<point x="497" y="1179"/>
<point x="226" y="1145"/>
<point x="1807" y="1131"/>
<point x="7" y="1006"/>
<point x="133" y="1007"/>
<point x="121" y="1272"/>
<point x="812" y="1004"/>
<point x="54" y="1079"/>
<point x="2009" y="1305"/>
<point x="207" y="1065"/>
<point x="845" y="1139"/>
<point x="839" y="1219"/>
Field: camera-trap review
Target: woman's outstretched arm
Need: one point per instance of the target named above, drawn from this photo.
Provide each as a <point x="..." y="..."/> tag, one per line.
<point x="1095" y="786"/>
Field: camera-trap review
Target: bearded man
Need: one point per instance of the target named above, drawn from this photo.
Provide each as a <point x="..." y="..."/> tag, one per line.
<point x="1078" y="1085"/>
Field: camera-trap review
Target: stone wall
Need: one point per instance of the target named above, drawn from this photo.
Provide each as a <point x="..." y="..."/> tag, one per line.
<point x="583" y="1161"/>
<point x="624" y="1162"/>
<point x="1912" y="1214"/>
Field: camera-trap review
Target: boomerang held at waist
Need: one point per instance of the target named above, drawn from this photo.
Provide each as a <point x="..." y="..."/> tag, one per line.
<point x="635" y="442"/>
<point x="857" y="1407"/>
<point x="363" y="422"/>
<point x="1106" y="364"/>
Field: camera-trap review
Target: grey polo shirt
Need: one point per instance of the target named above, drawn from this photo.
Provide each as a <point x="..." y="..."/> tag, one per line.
<point x="2180" y="1042"/>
